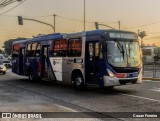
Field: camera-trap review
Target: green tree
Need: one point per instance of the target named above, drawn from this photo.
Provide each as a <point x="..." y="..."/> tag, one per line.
<point x="1" y="51"/>
<point x="8" y="45"/>
<point x="142" y="35"/>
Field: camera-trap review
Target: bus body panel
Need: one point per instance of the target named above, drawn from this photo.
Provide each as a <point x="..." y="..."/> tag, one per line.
<point x="92" y="64"/>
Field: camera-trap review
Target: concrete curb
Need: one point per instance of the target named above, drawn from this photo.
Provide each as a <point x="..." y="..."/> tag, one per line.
<point x="152" y="79"/>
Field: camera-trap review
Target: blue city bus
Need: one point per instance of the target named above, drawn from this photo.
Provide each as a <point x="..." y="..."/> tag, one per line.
<point x="104" y="58"/>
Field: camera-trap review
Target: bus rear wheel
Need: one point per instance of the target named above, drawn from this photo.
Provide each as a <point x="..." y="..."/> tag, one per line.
<point x="79" y="82"/>
<point x="110" y="87"/>
<point x="31" y="75"/>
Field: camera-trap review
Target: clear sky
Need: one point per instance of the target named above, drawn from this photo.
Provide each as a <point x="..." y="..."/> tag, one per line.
<point x="134" y="15"/>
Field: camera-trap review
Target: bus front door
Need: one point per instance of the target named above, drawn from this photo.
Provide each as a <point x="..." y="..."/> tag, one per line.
<point x="44" y="61"/>
<point x="21" y="61"/>
<point x="92" y="63"/>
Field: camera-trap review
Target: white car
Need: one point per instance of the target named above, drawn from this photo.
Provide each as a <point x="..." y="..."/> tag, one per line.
<point x="10" y="57"/>
<point x="2" y="68"/>
<point x="7" y="63"/>
<point x="1" y="56"/>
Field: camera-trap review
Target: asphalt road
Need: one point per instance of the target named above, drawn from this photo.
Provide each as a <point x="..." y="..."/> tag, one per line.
<point x="17" y="94"/>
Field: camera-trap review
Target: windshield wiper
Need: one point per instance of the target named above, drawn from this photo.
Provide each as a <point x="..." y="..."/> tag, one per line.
<point x="121" y="48"/>
<point x="129" y="48"/>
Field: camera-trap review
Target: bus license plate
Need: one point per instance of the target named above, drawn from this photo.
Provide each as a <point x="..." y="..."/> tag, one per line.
<point x="128" y="83"/>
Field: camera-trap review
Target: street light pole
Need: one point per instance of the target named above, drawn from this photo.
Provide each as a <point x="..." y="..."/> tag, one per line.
<point x="20" y="22"/>
<point x="84" y="15"/>
<point x="54" y="22"/>
<point x="119" y="25"/>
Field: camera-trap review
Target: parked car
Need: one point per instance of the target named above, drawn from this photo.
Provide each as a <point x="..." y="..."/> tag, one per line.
<point x="1" y="56"/>
<point x="2" y="68"/>
<point x="10" y="57"/>
<point x="8" y="64"/>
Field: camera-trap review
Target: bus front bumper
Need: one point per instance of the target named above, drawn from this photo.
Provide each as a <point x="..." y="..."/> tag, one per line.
<point x="113" y="81"/>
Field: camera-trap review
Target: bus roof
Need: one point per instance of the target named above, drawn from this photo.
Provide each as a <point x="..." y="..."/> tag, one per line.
<point x="94" y="32"/>
<point x="78" y="34"/>
<point x="47" y="37"/>
<point x="40" y="38"/>
<point x="20" y="41"/>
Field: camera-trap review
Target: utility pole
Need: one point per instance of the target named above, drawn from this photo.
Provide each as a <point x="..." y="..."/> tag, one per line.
<point x="20" y="21"/>
<point x="84" y="15"/>
<point x="97" y="25"/>
<point x="119" y="24"/>
<point x="54" y="15"/>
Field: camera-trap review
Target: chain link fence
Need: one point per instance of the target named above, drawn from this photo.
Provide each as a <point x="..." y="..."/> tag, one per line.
<point x="151" y="68"/>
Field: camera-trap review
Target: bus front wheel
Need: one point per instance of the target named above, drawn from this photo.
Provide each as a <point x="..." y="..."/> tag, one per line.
<point x="79" y="82"/>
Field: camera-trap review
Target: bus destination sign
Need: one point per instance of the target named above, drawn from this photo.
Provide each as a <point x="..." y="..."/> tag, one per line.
<point x="122" y="35"/>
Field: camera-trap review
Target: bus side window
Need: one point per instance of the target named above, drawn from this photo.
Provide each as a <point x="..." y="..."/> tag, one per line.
<point x="74" y="47"/>
<point x="90" y="51"/>
<point x="96" y="47"/>
<point x="37" y="51"/>
<point x="60" y="48"/>
<point x="97" y="50"/>
<point x="101" y="52"/>
<point x="15" y="52"/>
<point x="33" y="50"/>
<point x="28" y="52"/>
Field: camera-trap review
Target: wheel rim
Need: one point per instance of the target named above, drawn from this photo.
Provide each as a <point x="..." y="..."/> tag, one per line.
<point x="78" y="81"/>
<point x="31" y="76"/>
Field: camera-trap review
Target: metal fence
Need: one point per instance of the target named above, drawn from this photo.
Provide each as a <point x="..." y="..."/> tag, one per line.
<point x="151" y="69"/>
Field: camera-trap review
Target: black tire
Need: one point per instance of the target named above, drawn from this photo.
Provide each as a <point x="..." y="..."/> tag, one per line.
<point x="110" y="87"/>
<point x="31" y="75"/>
<point x="79" y="82"/>
<point x="4" y="72"/>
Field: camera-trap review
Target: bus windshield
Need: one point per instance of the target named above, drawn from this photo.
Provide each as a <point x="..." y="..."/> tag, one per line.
<point x="123" y="53"/>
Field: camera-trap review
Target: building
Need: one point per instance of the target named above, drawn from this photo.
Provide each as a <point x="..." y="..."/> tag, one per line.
<point x="148" y="53"/>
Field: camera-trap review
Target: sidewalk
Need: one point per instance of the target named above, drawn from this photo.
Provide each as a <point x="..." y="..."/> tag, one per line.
<point x="148" y="75"/>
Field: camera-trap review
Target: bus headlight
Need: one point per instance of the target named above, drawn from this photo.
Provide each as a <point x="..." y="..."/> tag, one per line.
<point x="110" y="73"/>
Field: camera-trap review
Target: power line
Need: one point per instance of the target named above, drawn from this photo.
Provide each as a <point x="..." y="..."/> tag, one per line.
<point x="155" y="37"/>
<point x="13" y="30"/>
<point x="2" y="1"/>
<point x="7" y="3"/>
<point x="82" y="20"/>
<point x="12" y="8"/>
<point x="73" y="19"/>
<point x="149" y="24"/>
<point x="143" y="25"/>
<point x="92" y="22"/>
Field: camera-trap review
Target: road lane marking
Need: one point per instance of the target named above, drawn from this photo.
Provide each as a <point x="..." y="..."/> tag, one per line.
<point x="150" y="81"/>
<point x="155" y="89"/>
<point x="145" y="98"/>
<point x="8" y="71"/>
